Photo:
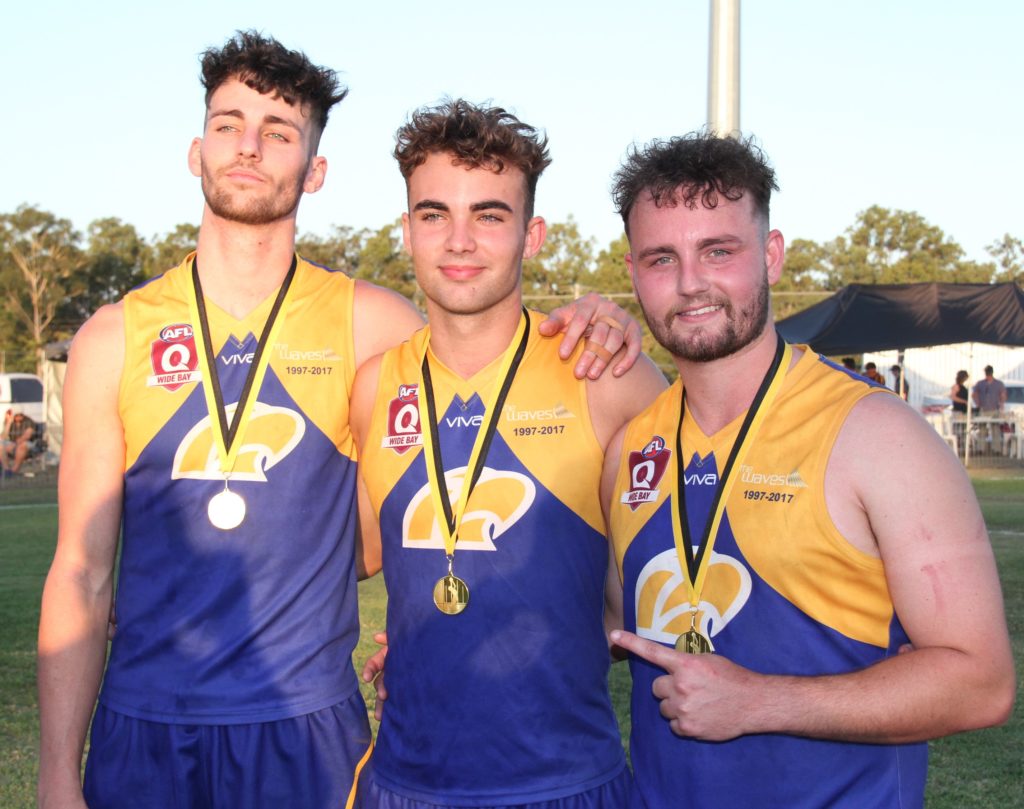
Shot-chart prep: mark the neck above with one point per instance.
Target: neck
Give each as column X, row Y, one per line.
column 468, row 343
column 241, row 265
column 719, row 391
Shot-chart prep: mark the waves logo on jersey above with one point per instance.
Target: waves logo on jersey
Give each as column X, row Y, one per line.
column 404, row 420
column 500, row 498
column 272, row 433
column 663, row 604
column 174, row 358
column 646, row 469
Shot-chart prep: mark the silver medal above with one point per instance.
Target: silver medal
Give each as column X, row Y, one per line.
column 226, row 510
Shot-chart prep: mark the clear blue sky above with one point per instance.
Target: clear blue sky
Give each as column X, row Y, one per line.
column 913, row 104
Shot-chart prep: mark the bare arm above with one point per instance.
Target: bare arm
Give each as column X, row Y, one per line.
column 381, row 320
column 364, row 392
column 916, row 507
column 79, row 586
column 613, row 613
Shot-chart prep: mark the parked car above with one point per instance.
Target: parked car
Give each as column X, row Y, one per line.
column 22, row 393
column 1014, row 394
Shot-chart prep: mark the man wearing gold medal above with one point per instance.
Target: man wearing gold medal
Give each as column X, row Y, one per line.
column 770, row 571
column 481, row 456
column 209, row 410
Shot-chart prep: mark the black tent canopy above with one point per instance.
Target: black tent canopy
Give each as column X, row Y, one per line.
column 879, row 317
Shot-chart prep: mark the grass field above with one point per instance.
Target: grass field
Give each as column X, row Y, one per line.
column 983, row 769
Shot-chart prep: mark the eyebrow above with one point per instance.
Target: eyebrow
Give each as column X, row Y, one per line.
column 485, row 205
column 660, row 250
column 703, row 244
column 267, row 119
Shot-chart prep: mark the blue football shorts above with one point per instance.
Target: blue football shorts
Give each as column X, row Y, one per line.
column 613, row 794
column 309, row 761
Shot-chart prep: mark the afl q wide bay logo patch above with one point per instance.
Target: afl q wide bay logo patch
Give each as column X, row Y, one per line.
column 646, row 469
column 173, row 358
column 404, row 420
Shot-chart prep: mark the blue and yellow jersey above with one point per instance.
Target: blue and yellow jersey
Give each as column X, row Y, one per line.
column 257, row 623
column 785, row 593
column 507, row 702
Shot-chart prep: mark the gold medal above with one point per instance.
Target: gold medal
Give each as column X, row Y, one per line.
column 693, row 642
column 226, row 509
column 451, row 595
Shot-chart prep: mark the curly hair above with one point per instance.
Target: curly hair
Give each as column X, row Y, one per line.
column 475, row 136
column 265, row 65
column 697, row 165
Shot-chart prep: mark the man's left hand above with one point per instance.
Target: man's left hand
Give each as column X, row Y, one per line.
column 704, row 696
column 607, row 329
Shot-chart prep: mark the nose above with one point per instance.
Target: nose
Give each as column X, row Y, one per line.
column 690, row 278
column 249, row 143
column 460, row 236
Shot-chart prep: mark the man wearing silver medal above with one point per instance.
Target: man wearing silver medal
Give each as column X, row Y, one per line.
column 744, row 513
column 481, row 456
column 209, row 412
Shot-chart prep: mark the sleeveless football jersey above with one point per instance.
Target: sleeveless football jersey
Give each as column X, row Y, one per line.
column 256, row 623
column 785, row 594
column 507, row 702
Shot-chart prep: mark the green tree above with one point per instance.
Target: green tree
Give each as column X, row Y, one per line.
column 383, row 261
column 340, row 250
column 896, row 247
column 1009, row 255
column 40, row 264
column 564, row 260
column 114, row 262
column 610, row 275
column 169, row 250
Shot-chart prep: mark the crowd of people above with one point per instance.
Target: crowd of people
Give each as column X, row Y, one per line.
column 539, row 505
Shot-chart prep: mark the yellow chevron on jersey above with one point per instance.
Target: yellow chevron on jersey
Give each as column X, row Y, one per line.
column 532, row 414
column 272, row 433
column 663, row 603
column 161, row 367
column 499, row 500
column 777, row 512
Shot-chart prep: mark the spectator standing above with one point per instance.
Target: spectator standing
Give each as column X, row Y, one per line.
column 958, row 396
column 871, row 372
column 989, row 396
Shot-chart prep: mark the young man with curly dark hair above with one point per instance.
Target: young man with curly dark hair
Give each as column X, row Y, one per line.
column 208, row 414
column 770, row 572
column 481, row 455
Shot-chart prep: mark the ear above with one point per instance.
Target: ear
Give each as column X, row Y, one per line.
column 195, row 160
column 629, row 266
column 406, row 236
column 536, row 233
column 774, row 256
column 315, row 175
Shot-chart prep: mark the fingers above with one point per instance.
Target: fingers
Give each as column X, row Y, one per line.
column 598, row 350
column 633, row 337
column 647, row 649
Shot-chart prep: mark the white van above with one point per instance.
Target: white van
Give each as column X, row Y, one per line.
column 22, row 393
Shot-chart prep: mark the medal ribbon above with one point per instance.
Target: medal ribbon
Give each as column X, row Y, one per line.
column 431, row 438
column 224, row 435
column 695, row 568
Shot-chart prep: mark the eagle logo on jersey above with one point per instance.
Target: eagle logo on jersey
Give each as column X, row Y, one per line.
column 174, row 358
column 646, row 469
column 500, row 498
column 663, row 604
column 404, row 420
column 272, row 433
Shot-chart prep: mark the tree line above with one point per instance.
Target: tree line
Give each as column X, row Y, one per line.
column 52, row 276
